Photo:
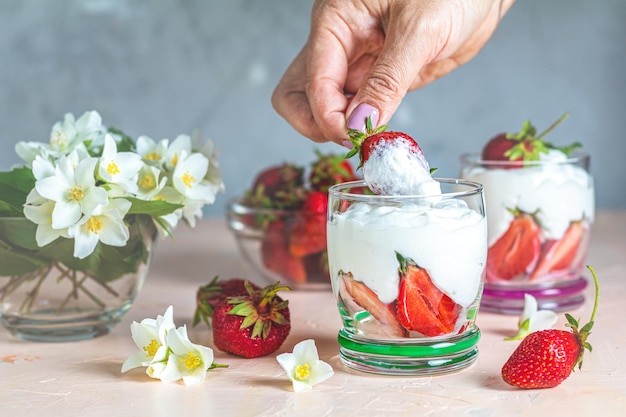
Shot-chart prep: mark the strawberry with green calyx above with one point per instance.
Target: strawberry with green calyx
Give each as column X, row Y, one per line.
column 523, row 146
column 546, row 358
column 209, row 295
column 517, row 250
column 392, row 162
column 252, row 325
column 328, row 170
column 277, row 187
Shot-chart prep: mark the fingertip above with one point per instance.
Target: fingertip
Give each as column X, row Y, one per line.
column 358, row 118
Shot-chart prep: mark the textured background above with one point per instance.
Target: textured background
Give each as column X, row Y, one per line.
column 167, row 67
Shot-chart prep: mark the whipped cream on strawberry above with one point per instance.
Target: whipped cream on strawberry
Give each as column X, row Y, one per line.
column 558, row 192
column 395, row 168
column 364, row 240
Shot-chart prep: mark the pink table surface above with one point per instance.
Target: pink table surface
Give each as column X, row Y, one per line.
column 83, row 378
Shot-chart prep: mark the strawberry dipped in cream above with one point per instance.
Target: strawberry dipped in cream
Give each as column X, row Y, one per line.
column 392, row 162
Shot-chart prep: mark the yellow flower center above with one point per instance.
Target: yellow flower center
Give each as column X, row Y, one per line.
column 147, row 182
column 94, row 225
column 152, row 156
column 75, row 194
column 151, row 348
column 188, row 179
column 192, row 361
column 174, row 160
column 59, row 139
column 112, row 168
column 302, row 372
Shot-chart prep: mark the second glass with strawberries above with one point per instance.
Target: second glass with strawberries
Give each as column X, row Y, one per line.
column 540, row 208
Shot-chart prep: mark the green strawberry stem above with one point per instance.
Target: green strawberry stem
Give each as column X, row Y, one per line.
column 584, row 332
column 358, row 136
column 552, row 126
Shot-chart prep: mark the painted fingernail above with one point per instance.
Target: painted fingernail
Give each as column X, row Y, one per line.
column 359, row 116
column 347, row 144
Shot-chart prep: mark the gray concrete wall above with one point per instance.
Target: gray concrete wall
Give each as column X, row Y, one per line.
column 166, row 67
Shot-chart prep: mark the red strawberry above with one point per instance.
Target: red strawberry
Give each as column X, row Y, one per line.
column 517, row 250
column 522, row 146
column 278, row 187
column 308, row 233
column 252, row 325
column 329, row 170
column 275, row 253
column 393, row 163
column 558, row 255
column 422, row 306
column 209, row 295
column 546, row 358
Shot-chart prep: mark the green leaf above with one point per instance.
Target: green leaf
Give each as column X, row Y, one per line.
column 571, row 320
column 18, row 232
column 154, row 208
column 14, row 187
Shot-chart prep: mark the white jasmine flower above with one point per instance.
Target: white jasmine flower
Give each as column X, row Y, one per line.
column 303, row 366
column 73, row 190
column 188, row 177
column 181, row 144
column 151, row 152
column 207, row 148
column 42, row 168
column 119, row 168
column 186, row 360
column 105, row 225
column 39, row 211
column 150, row 337
column 149, row 183
column 69, row 133
column 532, row 319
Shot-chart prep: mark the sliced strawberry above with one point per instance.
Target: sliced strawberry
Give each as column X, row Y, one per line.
column 558, row 255
column 423, row 307
column 308, row 233
column 275, row 253
column 362, row 295
column 516, row 251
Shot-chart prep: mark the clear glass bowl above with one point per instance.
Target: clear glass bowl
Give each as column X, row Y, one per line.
column 263, row 237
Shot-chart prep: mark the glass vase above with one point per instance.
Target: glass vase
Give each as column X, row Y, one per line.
column 48, row 295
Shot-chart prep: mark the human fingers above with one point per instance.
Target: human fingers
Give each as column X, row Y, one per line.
column 290, row 101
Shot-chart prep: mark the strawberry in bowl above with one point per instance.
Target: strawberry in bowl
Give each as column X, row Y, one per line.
column 540, row 208
column 280, row 221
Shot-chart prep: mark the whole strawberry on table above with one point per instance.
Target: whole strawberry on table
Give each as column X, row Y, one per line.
column 246, row 320
column 287, row 207
column 546, row 358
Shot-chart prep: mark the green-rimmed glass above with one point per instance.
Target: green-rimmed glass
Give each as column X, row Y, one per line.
column 407, row 273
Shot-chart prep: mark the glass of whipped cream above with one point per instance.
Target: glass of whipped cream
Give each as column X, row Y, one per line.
column 407, row 273
column 539, row 216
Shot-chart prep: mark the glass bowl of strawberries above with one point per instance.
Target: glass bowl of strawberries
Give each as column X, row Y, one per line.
column 280, row 221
